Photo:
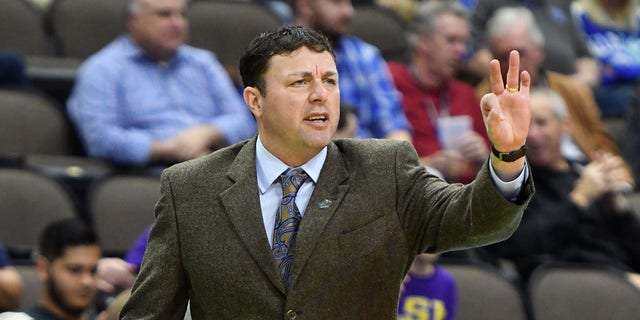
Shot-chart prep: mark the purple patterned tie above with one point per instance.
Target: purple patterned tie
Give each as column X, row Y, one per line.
column 287, row 222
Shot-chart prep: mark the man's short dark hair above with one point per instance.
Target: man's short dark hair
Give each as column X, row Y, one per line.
column 255, row 60
column 65, row 233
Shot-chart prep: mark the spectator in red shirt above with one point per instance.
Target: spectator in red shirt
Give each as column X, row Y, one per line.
column 448, row 130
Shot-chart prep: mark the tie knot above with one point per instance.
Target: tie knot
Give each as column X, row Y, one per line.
column 292, row 179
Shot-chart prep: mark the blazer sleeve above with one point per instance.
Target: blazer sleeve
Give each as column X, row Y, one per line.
column 438, row 216
column 160, row 292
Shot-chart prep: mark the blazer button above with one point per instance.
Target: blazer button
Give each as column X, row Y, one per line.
column 291, row 314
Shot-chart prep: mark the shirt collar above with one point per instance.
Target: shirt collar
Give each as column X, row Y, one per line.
column 134, row 51
column 269, row 167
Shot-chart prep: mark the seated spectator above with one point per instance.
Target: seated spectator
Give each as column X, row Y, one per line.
column 612, row 31
column 365, row 82
column 428, row 291
column 565, row 49
column 515, row 28
column 434, row 101
column 67, row 263
column 147, row 98
column 578, row 213
column 11, row 285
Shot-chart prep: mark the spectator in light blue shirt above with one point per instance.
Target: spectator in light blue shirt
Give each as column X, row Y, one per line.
column 148, row 98
column 365, row 81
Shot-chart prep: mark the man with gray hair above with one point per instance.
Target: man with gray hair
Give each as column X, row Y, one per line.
column 515, row 28
column 147, row 98
column 579, row 213
column 433, row 98
column 567, row 52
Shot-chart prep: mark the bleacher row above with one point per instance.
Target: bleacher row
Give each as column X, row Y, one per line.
column 44, row 174
column 56, row 41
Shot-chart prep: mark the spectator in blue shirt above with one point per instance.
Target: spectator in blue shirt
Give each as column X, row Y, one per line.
column 365, row 81
column 148, row 98
column 612, row 33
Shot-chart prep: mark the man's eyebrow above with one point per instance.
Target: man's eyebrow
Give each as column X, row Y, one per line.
column 308, row 73
column 299, row 73
column 330, row 73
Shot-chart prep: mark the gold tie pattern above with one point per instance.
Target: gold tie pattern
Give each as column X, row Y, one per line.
column 287, row 222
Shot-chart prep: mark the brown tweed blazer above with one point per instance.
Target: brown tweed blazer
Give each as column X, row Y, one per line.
column 208, row 243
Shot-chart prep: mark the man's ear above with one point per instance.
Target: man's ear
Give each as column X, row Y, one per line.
column 42, row 268
column 253, row 99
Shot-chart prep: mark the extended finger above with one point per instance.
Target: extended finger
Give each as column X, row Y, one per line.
column 513, row 72
column 495, row 77
column 525, row 82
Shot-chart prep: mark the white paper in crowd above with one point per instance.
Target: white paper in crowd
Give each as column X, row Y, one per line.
column 451, row 129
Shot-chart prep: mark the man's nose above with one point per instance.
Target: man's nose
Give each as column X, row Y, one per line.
column 318, row 91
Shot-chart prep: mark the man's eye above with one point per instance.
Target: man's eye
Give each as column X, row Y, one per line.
column 331, row 81
column 74, row 270
column 163, row 14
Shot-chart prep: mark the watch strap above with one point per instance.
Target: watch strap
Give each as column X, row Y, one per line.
column 509, row 156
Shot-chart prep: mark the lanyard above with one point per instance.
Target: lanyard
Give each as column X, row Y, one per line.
column 428, row 103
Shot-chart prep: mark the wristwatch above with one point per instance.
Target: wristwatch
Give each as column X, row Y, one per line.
column 509, row 156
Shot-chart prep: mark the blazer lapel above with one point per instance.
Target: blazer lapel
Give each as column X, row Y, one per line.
column 245, row 214
column 330, row 189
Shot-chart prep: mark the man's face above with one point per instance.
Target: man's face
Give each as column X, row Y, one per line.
column 331, row 17
column 299, row 111
column 160, row 27
column 71, row 279
column 545, row 133
column 517, row 38
column 445, row 48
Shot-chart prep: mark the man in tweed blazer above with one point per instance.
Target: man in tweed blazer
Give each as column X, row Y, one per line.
column 368, row 207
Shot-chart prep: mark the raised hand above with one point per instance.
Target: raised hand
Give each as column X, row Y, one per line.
column 506, row 109
column 602, row 176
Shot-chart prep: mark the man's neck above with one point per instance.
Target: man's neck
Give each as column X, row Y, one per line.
column 57, row 311
column 426, row 78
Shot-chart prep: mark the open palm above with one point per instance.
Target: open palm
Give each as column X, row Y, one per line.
column 506, row 110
